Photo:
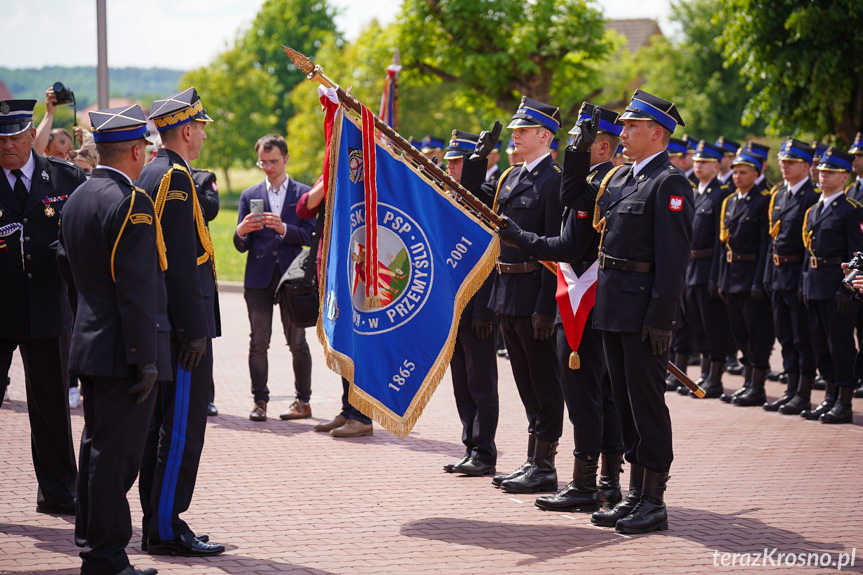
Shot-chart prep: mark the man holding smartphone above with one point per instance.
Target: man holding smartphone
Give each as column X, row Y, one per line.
column 269, row 229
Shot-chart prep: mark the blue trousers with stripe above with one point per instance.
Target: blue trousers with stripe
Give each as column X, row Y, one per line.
column 174, row 445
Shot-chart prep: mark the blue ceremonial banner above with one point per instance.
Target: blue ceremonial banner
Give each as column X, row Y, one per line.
column 432, row 256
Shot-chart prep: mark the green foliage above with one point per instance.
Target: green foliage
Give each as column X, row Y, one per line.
column 690, row 69
column 300, row 24
column 240, row 99
column 143, row 84
column 230, row 264
column 801, row 60
column 504, row 49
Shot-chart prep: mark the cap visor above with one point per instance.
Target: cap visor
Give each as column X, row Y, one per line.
column 523, row 123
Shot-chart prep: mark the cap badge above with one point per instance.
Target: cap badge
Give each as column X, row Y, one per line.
column 4, row 107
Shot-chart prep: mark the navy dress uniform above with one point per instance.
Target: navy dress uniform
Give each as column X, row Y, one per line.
column 113, row 261
column 171, row 465
column 782, row 275
column 587, row 387
column 833, row 231
column 761, row 152
column 33, row 302
column 744, row 235
column 474, row 362
column 729, row 149
column 523, row 296
column 706, row 312
column 855, row 188
column 644, row 215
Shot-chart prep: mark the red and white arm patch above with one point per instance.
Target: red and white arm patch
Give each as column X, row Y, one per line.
column 675, row 203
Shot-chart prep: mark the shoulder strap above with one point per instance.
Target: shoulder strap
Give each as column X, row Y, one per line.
column 500, row 182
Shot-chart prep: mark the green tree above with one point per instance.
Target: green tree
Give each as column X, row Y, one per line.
column 300, row 24
column 800, row 60
column 690, row 69
column 503, row 49
column 240, row 98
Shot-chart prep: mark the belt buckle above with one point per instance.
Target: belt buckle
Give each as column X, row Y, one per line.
column 813, row 262
column 497, row 265
column 729, row 257
column 601, row 260
column 776, row 260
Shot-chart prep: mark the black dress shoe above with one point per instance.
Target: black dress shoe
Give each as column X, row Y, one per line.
column 212, row 410
column 65, row 508
column 130, row 570
column 185, row 546
column 450, row 466
column 474, row 468
column 145, row 543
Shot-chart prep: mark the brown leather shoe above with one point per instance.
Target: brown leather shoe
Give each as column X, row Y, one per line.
column 337, row 421
column 298, row 410
column 260, row 411
column 353, row 428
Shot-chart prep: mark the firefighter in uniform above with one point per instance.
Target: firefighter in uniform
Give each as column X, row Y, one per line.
column 171, row 465
column 584, row 377
column 112, row 257
column 523, row 294
column 644, row 216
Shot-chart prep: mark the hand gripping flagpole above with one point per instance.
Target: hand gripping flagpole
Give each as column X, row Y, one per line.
column 315, row 72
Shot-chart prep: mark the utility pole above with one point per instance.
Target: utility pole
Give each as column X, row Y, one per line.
column 102, row 41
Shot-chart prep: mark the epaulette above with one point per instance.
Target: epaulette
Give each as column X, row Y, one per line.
column 202, row 170
column 853, row 202
column 724, row 187
column 849, row 186
column 817, row 190
column 766, row 193
column 61, row 161
column 557, row 168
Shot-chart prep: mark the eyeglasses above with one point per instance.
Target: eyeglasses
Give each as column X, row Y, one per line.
column 71, row 155
column 266, row 163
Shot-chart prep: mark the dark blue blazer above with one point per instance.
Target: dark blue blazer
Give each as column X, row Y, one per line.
column 835, row 234
column 705, row 234
column 789, row 210
column 746, row 222
column 268, row 250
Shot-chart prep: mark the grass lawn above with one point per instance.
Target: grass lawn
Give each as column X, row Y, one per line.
column 230, row 264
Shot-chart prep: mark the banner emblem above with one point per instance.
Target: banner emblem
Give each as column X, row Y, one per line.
column 355, row 158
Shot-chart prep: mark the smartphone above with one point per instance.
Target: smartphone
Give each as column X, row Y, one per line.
column 256, row 206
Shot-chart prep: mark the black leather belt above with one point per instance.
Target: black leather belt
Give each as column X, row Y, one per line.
column 731, row 257
column 816, row 263
column 517, row 268
column 779, row 260
column 701, row 254
column 607, row 262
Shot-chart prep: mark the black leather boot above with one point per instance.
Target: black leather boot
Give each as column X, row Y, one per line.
column 682, row 362
column 531, row 449
column 540, row 476
column 755, row 394
column 609, row 481
column 671, row 383
column 610, row 517
column 859, row 391
column 841, row 412
column 650, row 513
column 802, row 400
column 825, row 406
column 747, row 381
column 705, row 371
column 580, row 495
column 712, row 386
column 819, row 383
column 790, row 392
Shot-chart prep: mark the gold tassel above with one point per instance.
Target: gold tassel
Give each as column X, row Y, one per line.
column 372, row 302
column 774, row 228
column 724, row 234
column 574, row 361
column 807, row 237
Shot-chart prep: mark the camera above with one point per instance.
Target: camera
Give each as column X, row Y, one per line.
column 64, row 94
column 855, row 268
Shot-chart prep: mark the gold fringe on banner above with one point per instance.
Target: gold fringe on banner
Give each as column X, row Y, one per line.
column 344, row 366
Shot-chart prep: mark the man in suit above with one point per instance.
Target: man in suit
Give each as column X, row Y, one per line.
column 645, row 221
column 208, row 197
column 474, row 362
column 788, row 204
column 273, row 238
column 704, row 309
column 176, row 437
column 833, row 231
column 33, row 302
column 743, row 232
column 523, row 294
column 586, row 383
column 109, row 253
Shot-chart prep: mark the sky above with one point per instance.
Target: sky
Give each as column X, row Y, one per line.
column 155, row 33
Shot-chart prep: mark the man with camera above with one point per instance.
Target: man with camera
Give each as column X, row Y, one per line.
column 269, row 229
column 35, row 311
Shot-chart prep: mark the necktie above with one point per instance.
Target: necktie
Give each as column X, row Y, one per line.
column 20, row 189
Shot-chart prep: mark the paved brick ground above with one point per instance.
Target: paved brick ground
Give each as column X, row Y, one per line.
column 288, row 500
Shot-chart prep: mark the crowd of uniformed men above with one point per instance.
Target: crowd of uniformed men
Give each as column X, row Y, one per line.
column 689, row 248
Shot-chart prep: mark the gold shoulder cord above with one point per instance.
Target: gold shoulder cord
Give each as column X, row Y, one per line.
column 203, row 232
column 807, row 234
column 599, row 224
column 499, row 185
column 120, row 234
column 160, row 239
column 774, row 228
